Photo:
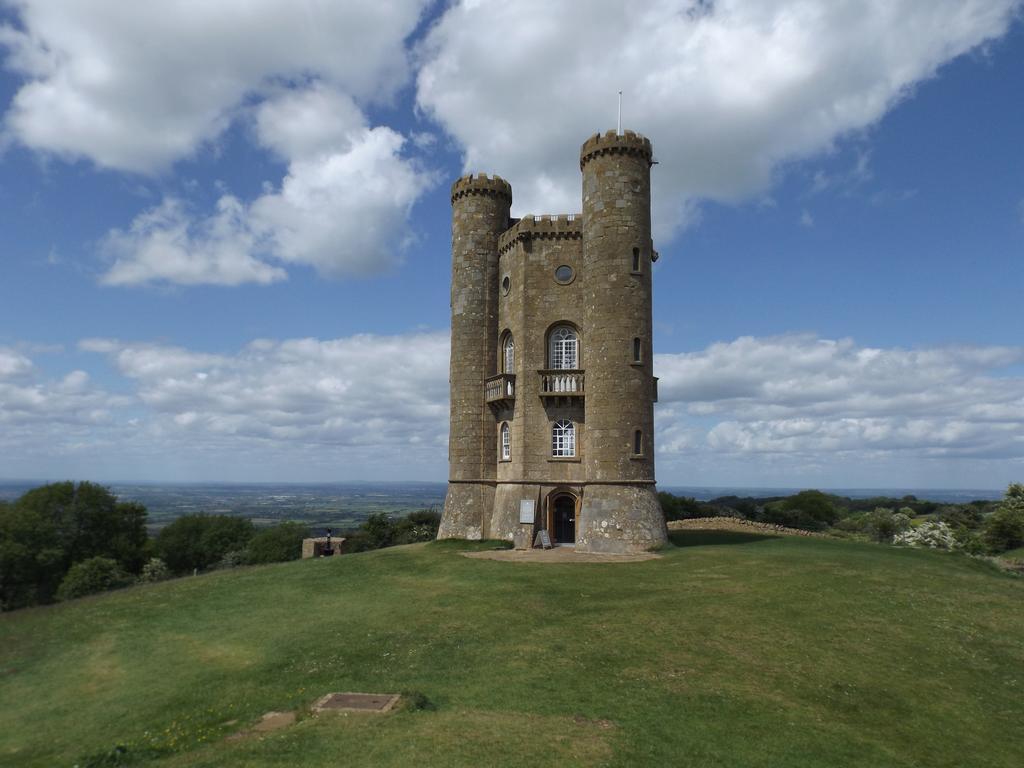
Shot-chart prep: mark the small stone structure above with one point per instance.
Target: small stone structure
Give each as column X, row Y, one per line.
column 552, row 386
column 378, row 703
column 315, row 547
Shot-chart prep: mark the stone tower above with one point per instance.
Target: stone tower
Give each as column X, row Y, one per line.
column 552, row 389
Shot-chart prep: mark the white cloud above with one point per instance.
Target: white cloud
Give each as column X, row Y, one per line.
column 799, row 394
column 780, row 410
column 308, row 123
column 13, row 364
column 342, row 208
column 166, row 244
column 344, row 212
column 136, row 86
column 372, row 392
column 727, row 90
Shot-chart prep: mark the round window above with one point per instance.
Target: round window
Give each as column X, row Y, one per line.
column 564, row 274
column 506, row 284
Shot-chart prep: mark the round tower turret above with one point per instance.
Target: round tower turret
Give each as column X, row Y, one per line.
column 620, row 508
column 480, row 213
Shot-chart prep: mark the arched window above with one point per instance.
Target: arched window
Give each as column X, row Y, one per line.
column 563, row 348
column 506, row 442
column 508, row 351
column 636, row 259
column 638, row 443
column 563, row 439
column 637, row 350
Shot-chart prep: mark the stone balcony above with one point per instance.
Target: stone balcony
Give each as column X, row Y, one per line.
column 500, row 389
column 561, row 383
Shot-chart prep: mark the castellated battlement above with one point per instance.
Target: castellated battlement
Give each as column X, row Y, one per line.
column 612, row 143
column 481, row 184
column 562, row 226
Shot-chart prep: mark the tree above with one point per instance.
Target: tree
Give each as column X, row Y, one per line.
column 200, row 541
column 88, row 521
column 31, row 560
column 1004, row 528
column 97, row 574
column 811, row 510
column 276, row 544
column 680, row 507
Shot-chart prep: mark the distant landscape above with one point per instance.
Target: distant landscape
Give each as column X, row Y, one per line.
column 345, row 505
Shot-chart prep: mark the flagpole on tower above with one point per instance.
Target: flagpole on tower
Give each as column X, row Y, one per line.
column 618, row 127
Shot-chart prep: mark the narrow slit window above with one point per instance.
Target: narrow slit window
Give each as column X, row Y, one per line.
column 563, row 439
column 506, row 442
column 636, row 350
column 638, row 443
column 636, row 259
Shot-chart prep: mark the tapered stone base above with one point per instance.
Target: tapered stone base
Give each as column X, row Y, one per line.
column 620, row 519
column 466, row 507
column 508, row 498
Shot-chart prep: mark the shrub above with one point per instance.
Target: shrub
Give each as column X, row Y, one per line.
column 934, row 535
column 97, row 574
column 1004, row 528
column 277, row 544
column 884, row 524
column 417, row 526
column 154, row 570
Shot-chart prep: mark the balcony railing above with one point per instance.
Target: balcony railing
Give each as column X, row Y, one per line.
column 561, row 383
column 500, row 388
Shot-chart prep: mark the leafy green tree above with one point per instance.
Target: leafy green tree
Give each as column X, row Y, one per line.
column 1004, row 528
column 810, row 510
column 379, row 530
column 197, row 542
column 31, row 559
column 276, row 544
column 97, row 574
column 88, row 521
column 680, row 507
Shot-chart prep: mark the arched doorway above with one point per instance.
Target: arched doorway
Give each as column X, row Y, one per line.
column 563, row 519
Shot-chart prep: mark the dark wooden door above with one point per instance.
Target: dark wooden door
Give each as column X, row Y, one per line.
column 565, row 520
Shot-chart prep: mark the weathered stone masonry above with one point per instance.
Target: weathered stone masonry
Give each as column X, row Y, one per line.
column 504, row 286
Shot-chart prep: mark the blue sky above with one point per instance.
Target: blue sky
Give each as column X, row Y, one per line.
column 224, row 232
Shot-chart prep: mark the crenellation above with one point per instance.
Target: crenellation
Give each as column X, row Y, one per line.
column 563, row 225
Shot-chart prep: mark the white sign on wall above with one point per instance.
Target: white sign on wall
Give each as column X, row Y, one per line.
column 526, row 511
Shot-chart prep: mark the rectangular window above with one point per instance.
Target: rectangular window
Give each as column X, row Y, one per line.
column 506, row 443
column 563, row 439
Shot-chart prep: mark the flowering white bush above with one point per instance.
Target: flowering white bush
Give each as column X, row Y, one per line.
column 930, row 534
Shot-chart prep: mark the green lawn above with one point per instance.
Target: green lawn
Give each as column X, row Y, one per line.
column 732, row 650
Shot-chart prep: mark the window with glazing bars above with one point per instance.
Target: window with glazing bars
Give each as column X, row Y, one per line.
column 563, row 348
column 506, row 442
column 563, row 439
column 510, row 354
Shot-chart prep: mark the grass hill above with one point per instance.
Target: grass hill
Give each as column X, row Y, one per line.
column 731, row 650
